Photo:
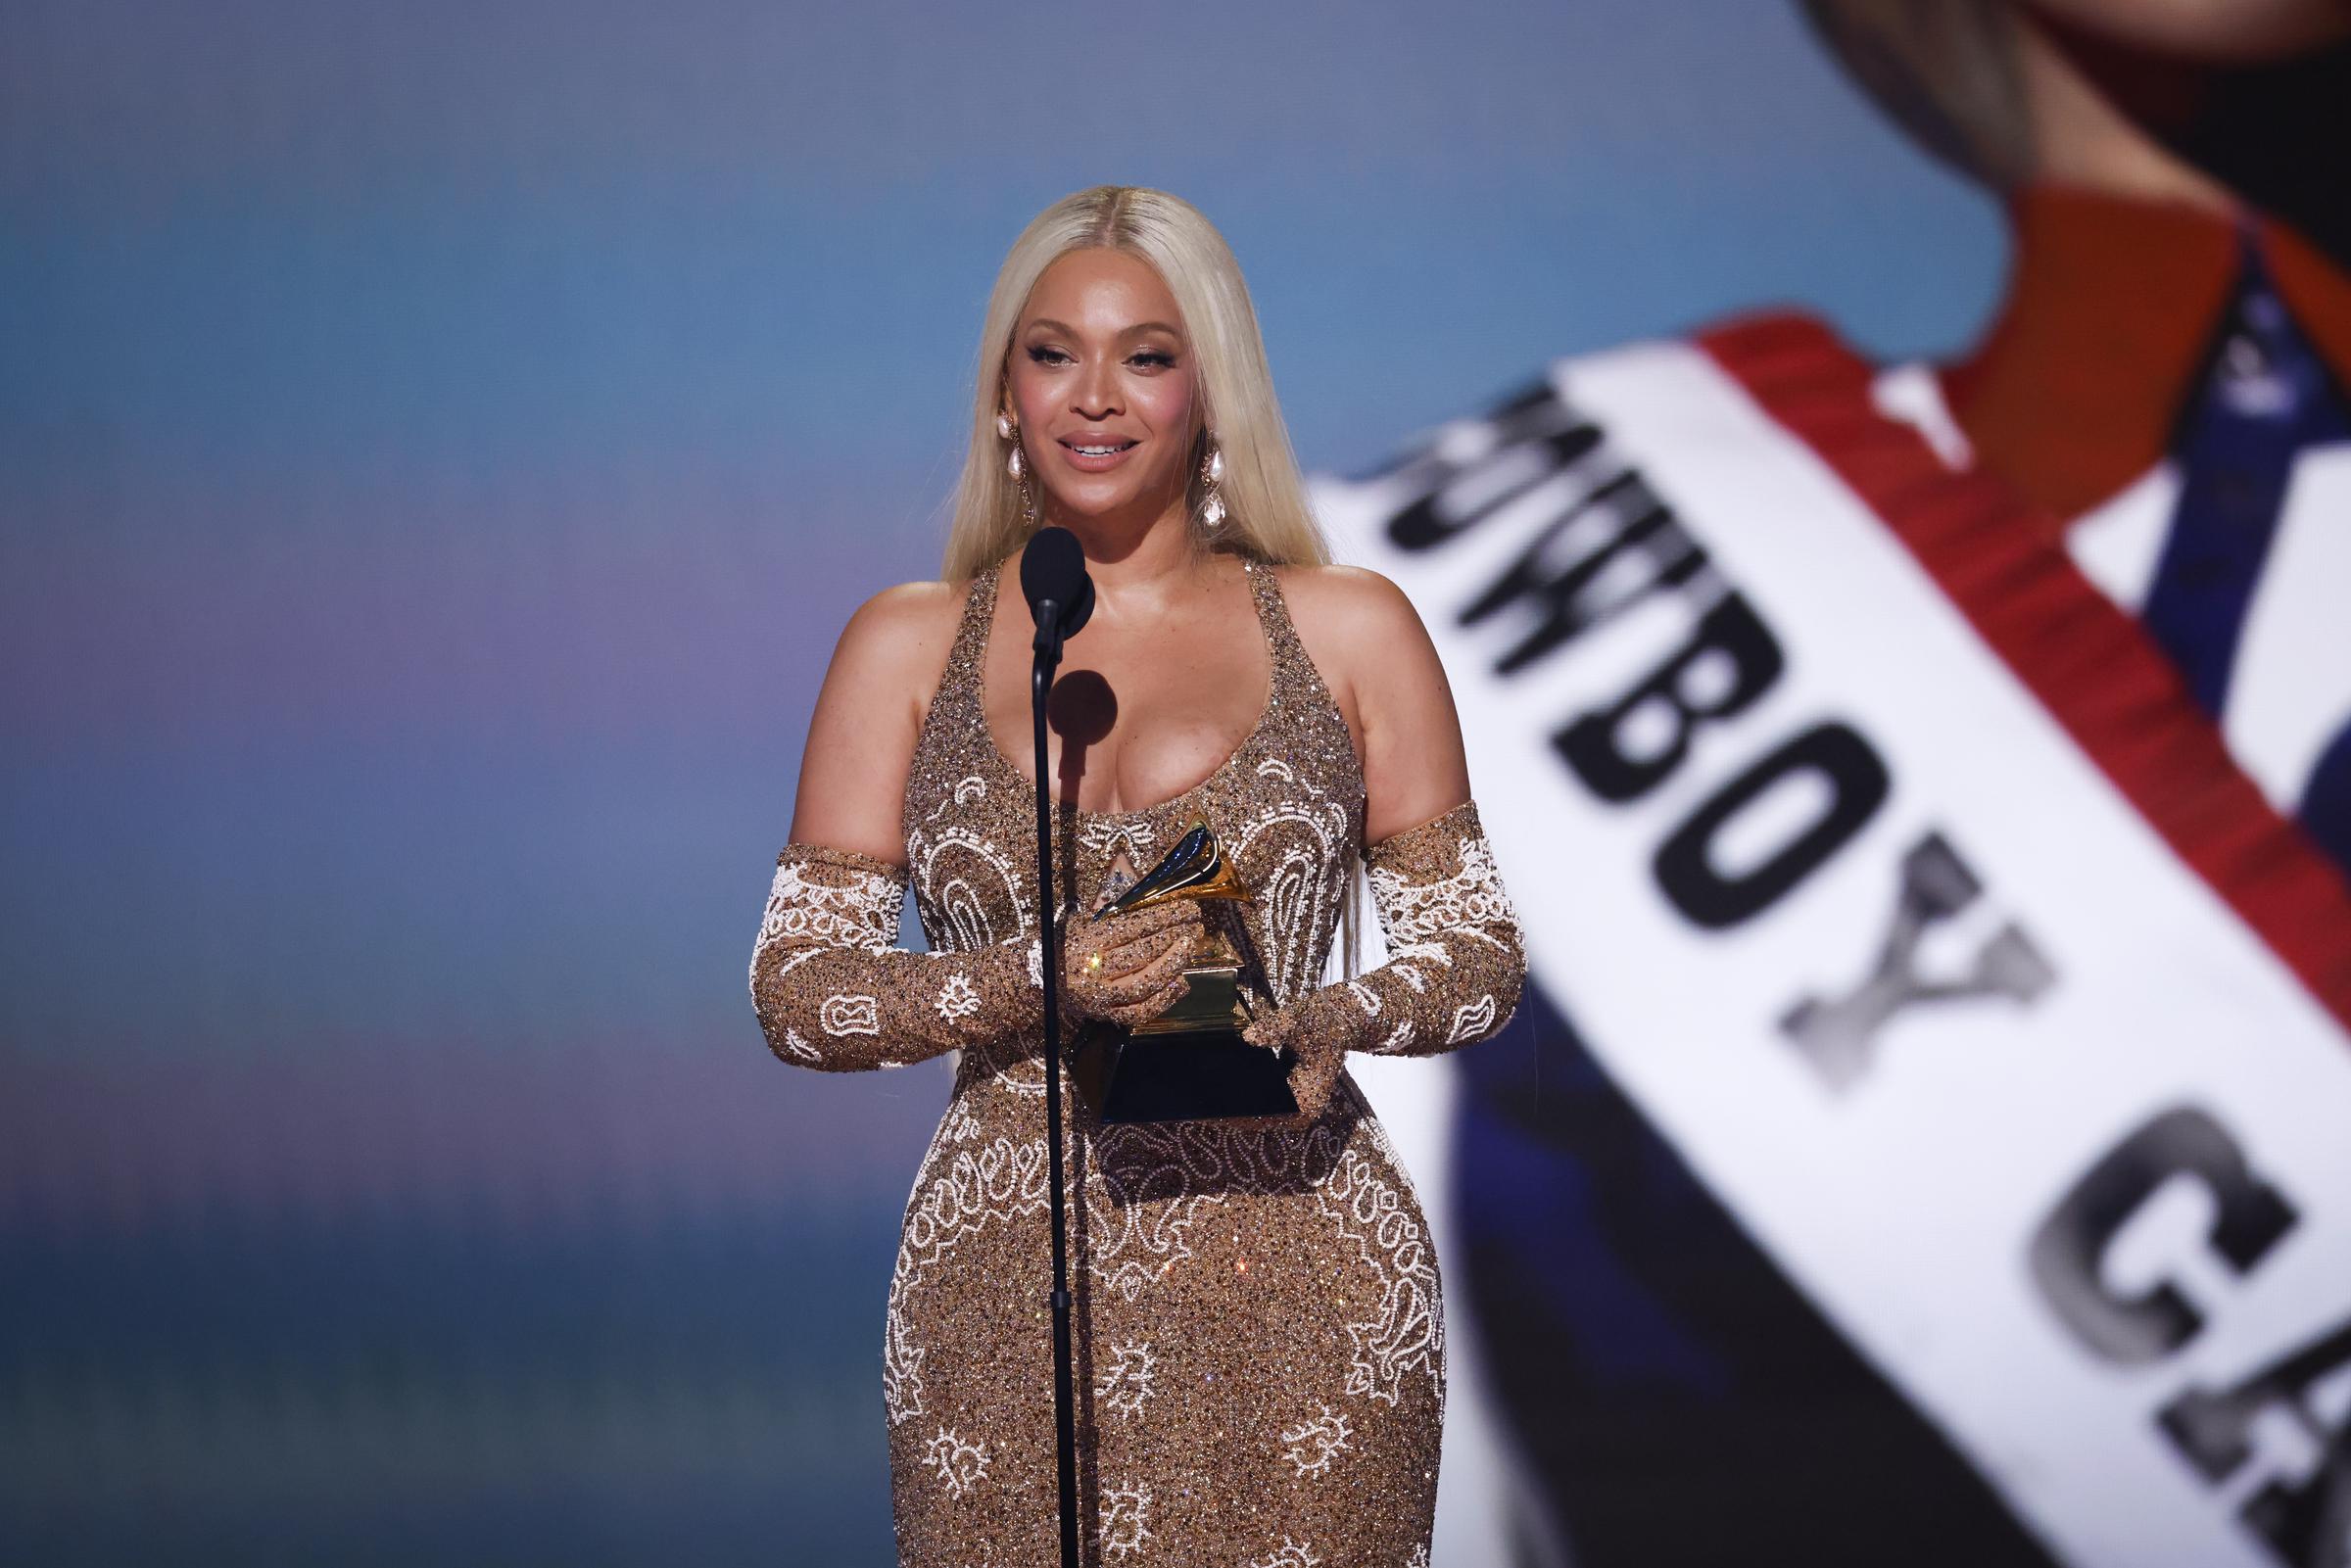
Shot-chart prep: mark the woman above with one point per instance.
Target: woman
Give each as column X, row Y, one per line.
column 1259, row 1357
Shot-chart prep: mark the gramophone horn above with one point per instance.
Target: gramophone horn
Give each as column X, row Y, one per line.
column 1196, row 868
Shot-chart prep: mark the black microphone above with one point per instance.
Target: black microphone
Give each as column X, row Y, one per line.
column 1061, row 595
column 1054, row 581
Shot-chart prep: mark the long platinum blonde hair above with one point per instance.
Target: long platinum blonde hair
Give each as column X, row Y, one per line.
column 1266, row 516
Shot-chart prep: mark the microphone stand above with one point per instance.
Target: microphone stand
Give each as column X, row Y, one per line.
column 1065, row 1403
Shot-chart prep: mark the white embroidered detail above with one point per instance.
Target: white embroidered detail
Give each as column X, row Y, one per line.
column 1300, row 855
column 796, row 957
column 850, row 1014
column 1025, row 1078
column 1413, row 912
column 1128, row 1383
column 1036, row 962
column 1419, row 1556
column 994, row 1183
column 1365, row 997
column 1398, row 1039
column 960, row 1464
column 794, row 1043
column 862, row 913
column 1293, row 1555
column 901, row 1360
column 978, row 1188
column 958, row 998
column 1107, row 839
column 1472, row 1020
column 1410, row 977
column 1125, row 1510
column 1312, row 1443
column 959, row 878
column 958, row 1125
column 1408, row 1332
column 1154, row 1179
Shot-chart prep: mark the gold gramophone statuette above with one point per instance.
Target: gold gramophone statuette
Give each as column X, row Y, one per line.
column 1195, row 868
column 1189, row 1063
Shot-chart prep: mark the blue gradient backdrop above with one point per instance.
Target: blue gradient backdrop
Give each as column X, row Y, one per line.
column 439, row 444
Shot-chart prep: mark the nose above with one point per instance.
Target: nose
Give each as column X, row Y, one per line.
column 1096, row 393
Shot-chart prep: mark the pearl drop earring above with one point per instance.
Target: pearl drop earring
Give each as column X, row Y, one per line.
column 1212, row 474
column 1009, row 432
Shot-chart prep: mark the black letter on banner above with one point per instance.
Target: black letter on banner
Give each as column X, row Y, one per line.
column 1535, row 435
column 1857, row 783
column 2070, row 1245
column 1638, row 548
column 2307, row 1521
column 1730, row 631
column 1839, row 1036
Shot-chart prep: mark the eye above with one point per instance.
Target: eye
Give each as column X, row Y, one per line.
column 1045, row 353
column 1156, row 359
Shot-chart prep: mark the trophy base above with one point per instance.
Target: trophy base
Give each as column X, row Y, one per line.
column 1182, row 1074
column 1210, row 1004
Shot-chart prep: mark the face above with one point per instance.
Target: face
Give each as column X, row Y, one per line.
column 1100, row 379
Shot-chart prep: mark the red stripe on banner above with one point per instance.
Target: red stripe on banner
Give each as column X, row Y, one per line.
column 2090, row 662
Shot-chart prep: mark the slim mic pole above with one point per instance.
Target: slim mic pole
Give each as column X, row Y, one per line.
column 1065, row 1401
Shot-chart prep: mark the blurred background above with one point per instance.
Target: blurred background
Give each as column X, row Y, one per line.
column 438, row 446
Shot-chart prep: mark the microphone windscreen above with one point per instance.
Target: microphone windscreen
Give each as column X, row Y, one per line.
column 1053, row 567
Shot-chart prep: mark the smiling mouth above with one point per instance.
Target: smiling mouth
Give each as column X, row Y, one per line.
column 1099, row 449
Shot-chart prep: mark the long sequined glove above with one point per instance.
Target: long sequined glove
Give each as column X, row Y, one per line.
column 1455, row 961
column 835, row 991
column 1127, row 968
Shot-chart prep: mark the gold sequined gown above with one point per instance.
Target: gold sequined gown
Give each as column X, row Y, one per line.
column 1259, row 1337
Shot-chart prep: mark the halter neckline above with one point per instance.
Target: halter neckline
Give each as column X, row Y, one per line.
column 980, row 610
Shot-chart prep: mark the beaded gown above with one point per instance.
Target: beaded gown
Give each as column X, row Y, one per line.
column 1259, row 1335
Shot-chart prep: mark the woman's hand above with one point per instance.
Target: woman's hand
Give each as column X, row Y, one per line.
column 1128, row 968
column 1317, row 1042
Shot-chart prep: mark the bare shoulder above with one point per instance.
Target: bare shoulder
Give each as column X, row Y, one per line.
column 861, row 738
column 1356, row 622
column 1344, row 593
column 1384, row 671
column 899, row 624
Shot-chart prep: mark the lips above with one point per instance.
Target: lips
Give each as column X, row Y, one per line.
column 1095, row 454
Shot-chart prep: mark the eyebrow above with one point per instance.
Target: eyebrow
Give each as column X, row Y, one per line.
column 1140, row 326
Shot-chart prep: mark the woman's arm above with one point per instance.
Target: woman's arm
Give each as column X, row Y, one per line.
column 868, row 713
column 1384, row 674
column 829, row 981
column 1455, row 963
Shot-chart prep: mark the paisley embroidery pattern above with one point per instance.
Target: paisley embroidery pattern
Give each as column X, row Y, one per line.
column 1412, row 911
column 860, row 912
column 1407, row 1332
